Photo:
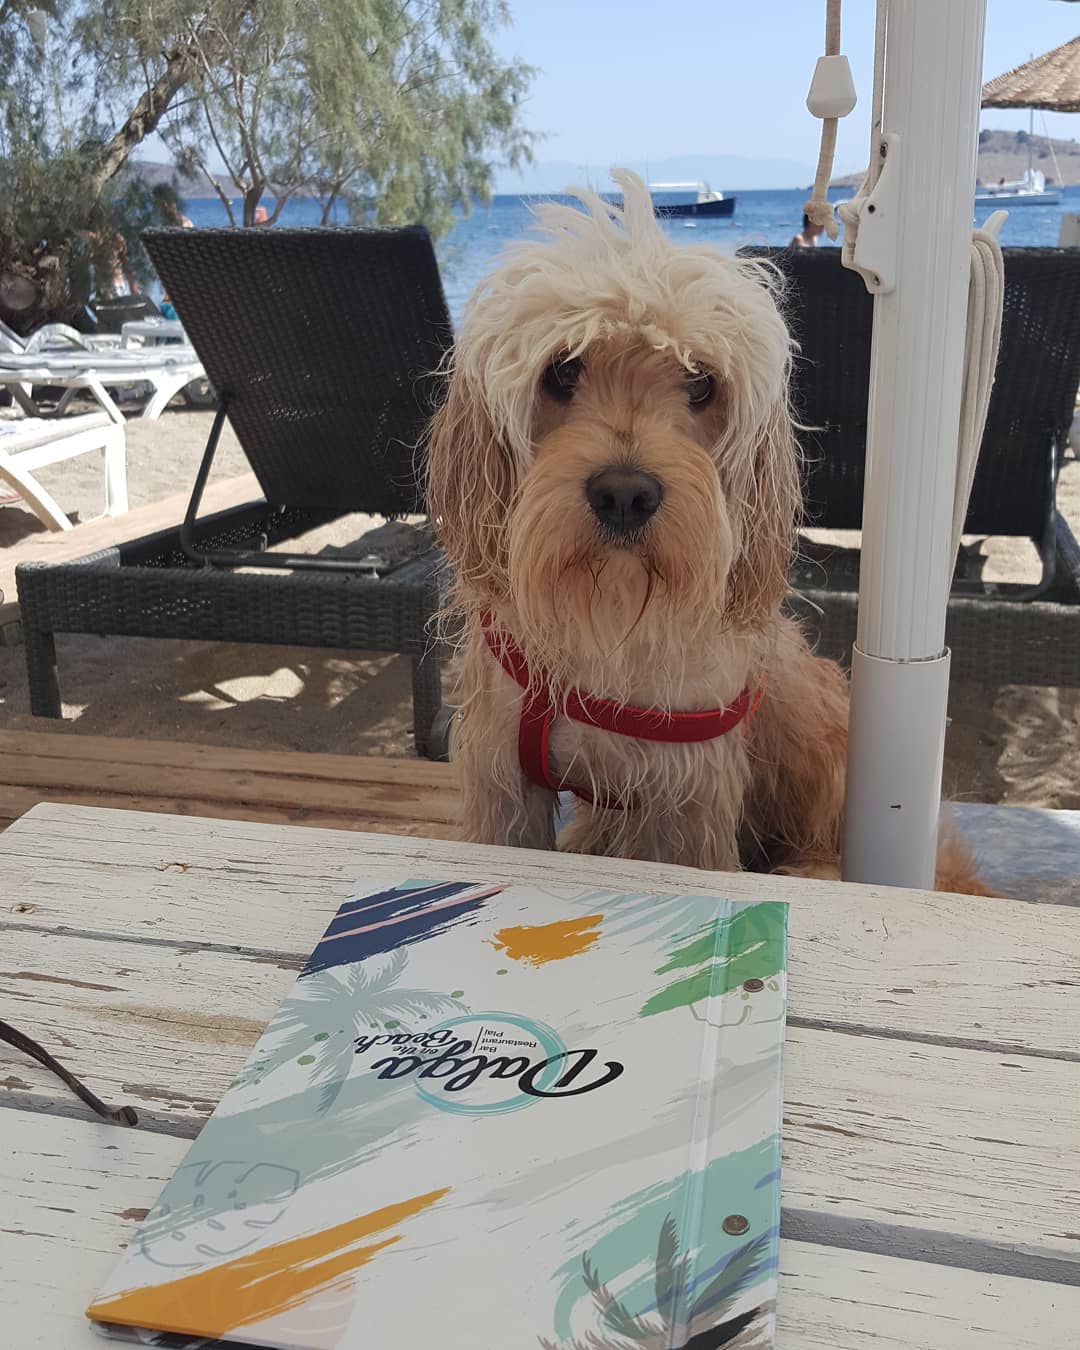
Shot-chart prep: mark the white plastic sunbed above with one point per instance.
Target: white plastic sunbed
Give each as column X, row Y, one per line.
column 54, row 337
column 30, row 443
column 166, row 370
column 58, row 356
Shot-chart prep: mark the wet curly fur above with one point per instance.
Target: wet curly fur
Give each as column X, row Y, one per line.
column 673, row 361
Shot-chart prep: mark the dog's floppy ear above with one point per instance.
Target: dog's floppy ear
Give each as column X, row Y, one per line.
column 772, row 499
column 470, row 484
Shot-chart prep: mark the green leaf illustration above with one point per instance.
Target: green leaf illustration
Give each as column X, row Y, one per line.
column 749, row 945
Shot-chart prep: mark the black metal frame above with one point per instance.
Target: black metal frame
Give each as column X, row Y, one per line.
column 257, row 557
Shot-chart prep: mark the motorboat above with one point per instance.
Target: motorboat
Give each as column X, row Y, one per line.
column 707, row 202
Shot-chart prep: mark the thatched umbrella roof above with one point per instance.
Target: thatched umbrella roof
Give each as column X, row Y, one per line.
column 1051, row 82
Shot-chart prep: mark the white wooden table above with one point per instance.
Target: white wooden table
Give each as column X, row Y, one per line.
column 932, row 1080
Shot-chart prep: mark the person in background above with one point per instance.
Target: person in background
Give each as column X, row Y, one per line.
column 260, row 215
column 808, row 236
column 172, row 213
column 122, row 281
column 173, row 216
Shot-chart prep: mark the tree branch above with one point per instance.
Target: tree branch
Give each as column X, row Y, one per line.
column 212, row 180
column 181, row 65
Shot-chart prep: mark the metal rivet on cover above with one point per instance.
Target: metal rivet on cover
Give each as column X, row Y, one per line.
column 752, row 986
column 736, row 1224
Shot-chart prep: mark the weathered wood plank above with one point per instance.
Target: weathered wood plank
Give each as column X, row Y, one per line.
column 74, row 1192
column 394, row 801
column 16, row 801
column 335, row 791
column 186, row 755
column 948, row 969
column 836, row 1300
column 905, row 1134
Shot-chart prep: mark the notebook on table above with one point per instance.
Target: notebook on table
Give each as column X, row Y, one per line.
column 524, row 1117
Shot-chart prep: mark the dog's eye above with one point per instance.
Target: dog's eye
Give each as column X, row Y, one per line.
column 700, row 389
column 561, row 378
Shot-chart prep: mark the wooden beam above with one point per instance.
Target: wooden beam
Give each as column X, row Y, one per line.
column 345, row 792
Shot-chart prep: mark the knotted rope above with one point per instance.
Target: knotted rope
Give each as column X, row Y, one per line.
column 986, row 286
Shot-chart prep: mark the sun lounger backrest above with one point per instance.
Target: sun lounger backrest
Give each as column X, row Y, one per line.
column 325, row 342
column 830, row 314
column 1034, row 396
column 10, row 341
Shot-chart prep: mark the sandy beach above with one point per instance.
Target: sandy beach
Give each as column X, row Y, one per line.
column 1010, row 744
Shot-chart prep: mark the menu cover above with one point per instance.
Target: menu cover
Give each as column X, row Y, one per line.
column 488, row 1117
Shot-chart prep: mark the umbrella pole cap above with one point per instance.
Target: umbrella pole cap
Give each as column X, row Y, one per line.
column 832, row 90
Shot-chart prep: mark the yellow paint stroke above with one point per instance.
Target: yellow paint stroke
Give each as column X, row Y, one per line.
column 259, row 1284
column 549, row 941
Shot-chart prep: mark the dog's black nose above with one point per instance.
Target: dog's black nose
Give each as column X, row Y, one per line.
column 623, row 499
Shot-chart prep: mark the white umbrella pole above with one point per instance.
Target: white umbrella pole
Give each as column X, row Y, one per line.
column 900, row 666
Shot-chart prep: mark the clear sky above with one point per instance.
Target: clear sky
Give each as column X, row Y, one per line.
column 634, row 80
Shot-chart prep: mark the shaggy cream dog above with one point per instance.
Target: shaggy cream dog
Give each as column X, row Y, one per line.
column 615, row 479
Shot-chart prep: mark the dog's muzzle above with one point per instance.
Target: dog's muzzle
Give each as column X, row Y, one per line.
column 623, row 500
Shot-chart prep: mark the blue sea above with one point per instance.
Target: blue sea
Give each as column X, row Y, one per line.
column 468, row 252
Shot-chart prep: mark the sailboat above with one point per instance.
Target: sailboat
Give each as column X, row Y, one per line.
column 1031, row 190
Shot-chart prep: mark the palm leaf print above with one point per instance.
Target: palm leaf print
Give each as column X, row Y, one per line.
column 614, row 1315
column 742, row 1269
column 671, row 1270
column 709, row 1323
column 316, row 1027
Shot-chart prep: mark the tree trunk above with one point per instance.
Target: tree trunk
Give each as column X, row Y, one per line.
column 181, row 66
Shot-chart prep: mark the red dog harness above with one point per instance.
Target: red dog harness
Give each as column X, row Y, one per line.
column 538, row 711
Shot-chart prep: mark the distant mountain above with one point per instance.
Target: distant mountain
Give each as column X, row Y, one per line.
column 154, row 172
column 1004, row 154
column 728, row 173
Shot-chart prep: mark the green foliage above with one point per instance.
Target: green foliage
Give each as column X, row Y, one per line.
column 396, row 108
column 59, row 228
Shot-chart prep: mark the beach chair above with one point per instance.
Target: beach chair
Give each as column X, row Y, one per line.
column 28, row 444
column 994, row 640
column 166, row 371
column 323, row 345
column 54, row 336
column 1027, row 427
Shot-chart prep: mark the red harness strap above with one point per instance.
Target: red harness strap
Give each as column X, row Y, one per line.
column 538, row 711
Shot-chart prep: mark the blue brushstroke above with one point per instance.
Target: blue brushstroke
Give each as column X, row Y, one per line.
column 421, row 922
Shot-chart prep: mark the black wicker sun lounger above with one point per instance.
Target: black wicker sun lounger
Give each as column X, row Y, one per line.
column 1006, row 633
column 831, row 316
column 322, row 345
